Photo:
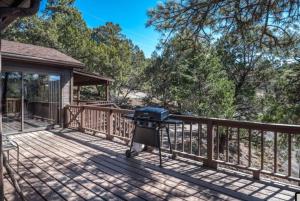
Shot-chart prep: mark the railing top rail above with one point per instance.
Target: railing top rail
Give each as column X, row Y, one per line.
column 285, row 128
column 282, row 128
column 95, row 107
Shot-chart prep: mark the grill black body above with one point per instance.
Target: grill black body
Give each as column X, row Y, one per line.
column 148, row 123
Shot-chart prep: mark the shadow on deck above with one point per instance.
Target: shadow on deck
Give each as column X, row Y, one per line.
column 69, row 165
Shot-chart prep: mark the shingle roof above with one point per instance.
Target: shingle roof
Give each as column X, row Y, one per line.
column 16, row 50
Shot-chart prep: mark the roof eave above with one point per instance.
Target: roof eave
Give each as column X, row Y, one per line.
column 23, row 58
column 94, row 75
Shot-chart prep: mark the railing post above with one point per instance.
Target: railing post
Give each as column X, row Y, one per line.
column 109, row 125
column 66, row 120
column 82, row 119
column 256, row 174
column 210, row 147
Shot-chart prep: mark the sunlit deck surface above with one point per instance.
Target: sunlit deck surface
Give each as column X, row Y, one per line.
column 69, row 165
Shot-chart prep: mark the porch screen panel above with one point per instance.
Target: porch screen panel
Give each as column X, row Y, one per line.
column 54, row 99
column 41, row 100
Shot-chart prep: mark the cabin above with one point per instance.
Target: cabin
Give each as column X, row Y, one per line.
column 37, row 83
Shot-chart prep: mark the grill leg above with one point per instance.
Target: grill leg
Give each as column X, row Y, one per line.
column 159, row 148
column 131, row 143
column 160, row 162
column 128, row 152
column 173, row 155
column 168, row 133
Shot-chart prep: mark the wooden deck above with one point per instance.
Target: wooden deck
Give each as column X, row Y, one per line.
column 69, row 165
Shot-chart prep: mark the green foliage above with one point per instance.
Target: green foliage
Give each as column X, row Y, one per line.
column 252, row 40
column 275, row 23
column 282, row 102
column 191, row 79
column 249, row 69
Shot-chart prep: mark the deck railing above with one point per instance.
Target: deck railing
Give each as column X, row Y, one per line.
column 106, row 120
column 90, row 102
column 13, row 105
column 261, row 148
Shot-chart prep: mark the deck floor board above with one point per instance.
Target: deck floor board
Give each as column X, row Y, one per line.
column 69, row 165
column 138, row 183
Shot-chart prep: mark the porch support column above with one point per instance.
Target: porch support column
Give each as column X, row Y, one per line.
column 78, row 95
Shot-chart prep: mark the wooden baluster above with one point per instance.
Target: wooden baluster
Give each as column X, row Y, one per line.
column 114, row 125
column 227, row 145
column 123, row 132
column 100, row 121
column 238, row 146
column 88, row 118
column 182, row 137
column 175, row 137
column 217, row 143
column 199, row 139
column 191, row 138
column 82, row 119
column 289, row 154
column 161, row 138
column 119, row 124
column 109, row 125
column 103, row 121
column 262, row 150
column 66, row 117
column 88, row 113
column 93, row 119
column 275, row 152
column 96, row 120
column 249, row 147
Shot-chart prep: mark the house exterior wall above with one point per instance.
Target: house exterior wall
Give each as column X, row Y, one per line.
column 65, row 77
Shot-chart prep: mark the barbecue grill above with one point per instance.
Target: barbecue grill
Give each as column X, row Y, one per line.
column 149, row 121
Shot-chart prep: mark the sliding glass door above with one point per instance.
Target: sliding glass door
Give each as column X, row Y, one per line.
column 11, row 92
column 36, row 101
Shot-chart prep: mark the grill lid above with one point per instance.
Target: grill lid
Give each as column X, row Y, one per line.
column 151, row 113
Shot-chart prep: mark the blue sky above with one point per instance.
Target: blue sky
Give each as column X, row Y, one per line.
column 130, row 15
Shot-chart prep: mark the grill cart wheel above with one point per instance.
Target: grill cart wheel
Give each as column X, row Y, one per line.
column 128, row 153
